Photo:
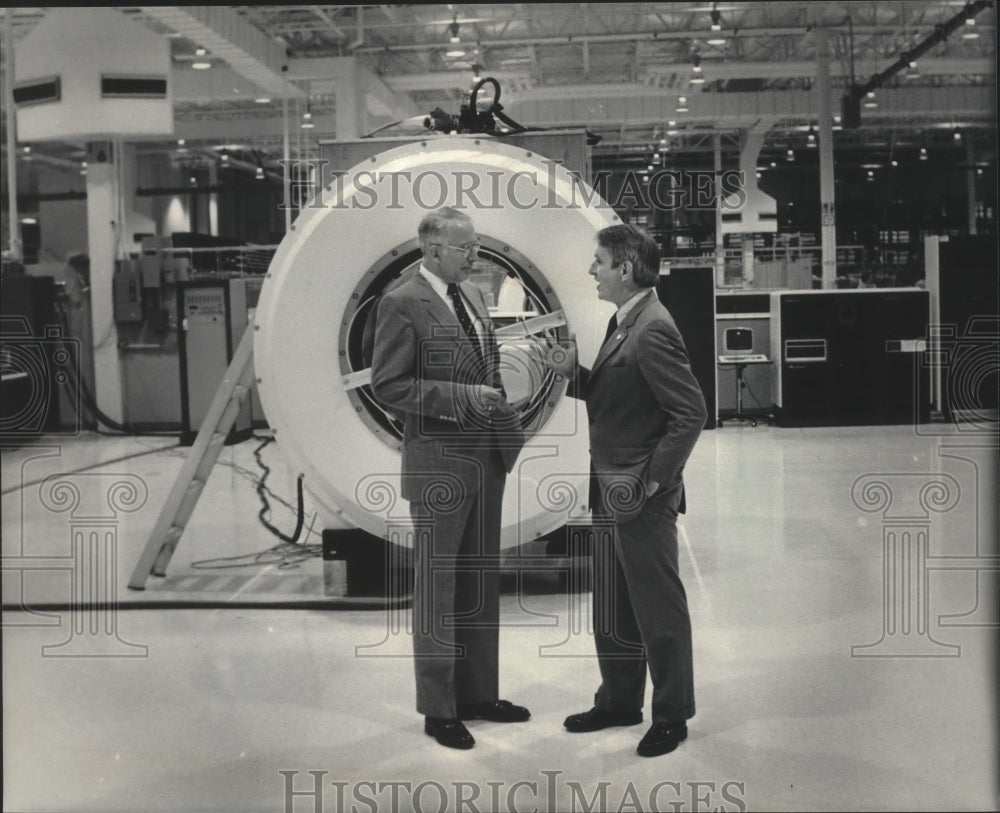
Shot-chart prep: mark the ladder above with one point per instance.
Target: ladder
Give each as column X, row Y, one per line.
column 187, row 488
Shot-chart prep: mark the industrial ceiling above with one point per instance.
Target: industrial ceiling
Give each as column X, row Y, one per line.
column 625, row 71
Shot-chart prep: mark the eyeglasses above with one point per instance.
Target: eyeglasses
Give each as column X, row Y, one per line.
column 465, row 249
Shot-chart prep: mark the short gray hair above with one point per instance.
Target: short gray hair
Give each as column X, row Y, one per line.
column 434, row 223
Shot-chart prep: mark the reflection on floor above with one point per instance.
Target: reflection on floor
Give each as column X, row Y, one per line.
column 843, row 590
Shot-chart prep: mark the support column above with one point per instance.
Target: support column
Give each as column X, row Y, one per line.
column 16, row 251
column 748, row 261
column 349, row 98
column 828, row 221
column 103, row 223
column 970, row 183
column 213, row 200
column 720, row 249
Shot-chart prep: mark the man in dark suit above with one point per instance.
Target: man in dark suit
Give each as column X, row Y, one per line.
column 435, row 362
column 645, row 410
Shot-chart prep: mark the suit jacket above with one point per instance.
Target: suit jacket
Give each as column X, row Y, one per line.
column 645, row 409
column 425, row 368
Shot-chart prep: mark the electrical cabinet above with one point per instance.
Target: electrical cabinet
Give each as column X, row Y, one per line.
column 850, row 357
column 689, row 295
column 212, row 319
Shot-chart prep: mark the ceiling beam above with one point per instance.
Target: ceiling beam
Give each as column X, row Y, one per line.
column 228, row 36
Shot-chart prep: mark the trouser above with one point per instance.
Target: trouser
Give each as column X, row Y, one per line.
column 641, row 615
column 456, row 597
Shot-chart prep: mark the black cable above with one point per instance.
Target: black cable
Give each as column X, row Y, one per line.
column 266, row 506
column 755, row 399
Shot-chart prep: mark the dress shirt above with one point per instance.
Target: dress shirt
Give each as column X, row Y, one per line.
column 441, row 288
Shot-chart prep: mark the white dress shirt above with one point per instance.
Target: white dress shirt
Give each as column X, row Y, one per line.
column 441, row 287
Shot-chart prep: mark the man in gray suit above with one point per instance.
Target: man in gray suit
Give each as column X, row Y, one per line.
column 435, row 362
column 645, row 410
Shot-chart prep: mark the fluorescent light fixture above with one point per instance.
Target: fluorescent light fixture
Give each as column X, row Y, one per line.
column 201, row 65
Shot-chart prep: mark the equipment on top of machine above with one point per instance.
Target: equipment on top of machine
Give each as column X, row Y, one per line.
column 475, row 118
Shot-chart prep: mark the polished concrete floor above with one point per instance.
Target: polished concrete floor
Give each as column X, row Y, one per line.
column 843, row 592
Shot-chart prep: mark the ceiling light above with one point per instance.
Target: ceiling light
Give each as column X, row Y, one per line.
column 262, row 100
column 957, row 135
column 697, row 80
column 682, row 109
column 789, row 154
column 672, row 132
column 656, row 157
column 894, row 162
column 224, row 156
column 201, row 65
column 200, row 52
column 260, row 173
column 811, row 137
column 923, row 153
column 773, row 165
column 455, row 49
column 307, row 114
column 308, row 125
column 716, row 19
column 645, row 179
column 26, row 149
column 29, row 221
column 871, row 175
column 192, row 180
column 716, row 41
column 970, row 32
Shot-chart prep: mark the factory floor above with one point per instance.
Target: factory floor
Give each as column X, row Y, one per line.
column 842, row 587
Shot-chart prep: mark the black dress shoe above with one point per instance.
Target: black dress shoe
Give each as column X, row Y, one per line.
column 499, row 711
column 449, row 732
column 596, row 719
column 662, row 738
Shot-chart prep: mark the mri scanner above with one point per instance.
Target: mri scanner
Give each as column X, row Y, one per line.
column 357, row 238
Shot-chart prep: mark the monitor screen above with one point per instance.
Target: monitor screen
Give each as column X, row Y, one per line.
column 739, row 339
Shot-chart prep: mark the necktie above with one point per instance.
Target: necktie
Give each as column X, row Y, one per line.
column 463, row 316
column 612, row 327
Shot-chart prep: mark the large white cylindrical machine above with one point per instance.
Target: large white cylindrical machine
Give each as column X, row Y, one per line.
column 315, row 317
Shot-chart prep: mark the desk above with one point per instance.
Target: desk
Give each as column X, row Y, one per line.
column 739, row 364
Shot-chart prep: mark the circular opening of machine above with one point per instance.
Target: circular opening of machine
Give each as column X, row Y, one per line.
column 514, row 291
